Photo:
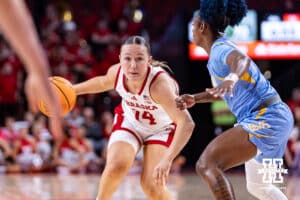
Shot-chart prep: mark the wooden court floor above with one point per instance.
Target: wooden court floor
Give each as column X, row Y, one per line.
column 84, row 187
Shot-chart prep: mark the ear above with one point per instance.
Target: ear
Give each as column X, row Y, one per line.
column 203, row 26
column 150, row 59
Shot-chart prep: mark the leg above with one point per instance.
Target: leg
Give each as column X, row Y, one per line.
column 229, row 149
column 255, row 186
column 120, row 156
column 152, row 155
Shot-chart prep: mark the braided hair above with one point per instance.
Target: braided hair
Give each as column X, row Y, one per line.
column 221, row 13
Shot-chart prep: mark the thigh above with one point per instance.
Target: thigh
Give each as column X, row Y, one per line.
column 152, row 155
column 122, row 148
column 229, row 149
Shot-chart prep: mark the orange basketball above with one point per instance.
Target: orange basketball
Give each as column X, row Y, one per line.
column 66, row 95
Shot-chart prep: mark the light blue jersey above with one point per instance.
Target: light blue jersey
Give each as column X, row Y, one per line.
column 251, row 89
column 269, row 127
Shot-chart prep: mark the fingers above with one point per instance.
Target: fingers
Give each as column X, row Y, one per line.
column 185, row 101
column 160, row 176
column 31, row 97
column 180, row 103
column 55, row 123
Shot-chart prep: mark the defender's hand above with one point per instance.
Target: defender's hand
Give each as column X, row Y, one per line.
column 185, row 101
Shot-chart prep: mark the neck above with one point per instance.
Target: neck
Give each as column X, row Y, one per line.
column 208, row 42
column 134, row 86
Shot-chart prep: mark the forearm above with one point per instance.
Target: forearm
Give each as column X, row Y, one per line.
column 181, row 137
column 91, row 86
column 205, row 97
column 16, row 23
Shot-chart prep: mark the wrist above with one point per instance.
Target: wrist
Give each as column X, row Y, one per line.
column 232, row 77
column 194, row 97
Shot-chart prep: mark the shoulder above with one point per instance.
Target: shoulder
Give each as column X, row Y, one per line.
column 221, row 50
column 113, row 72
column 161, row 78
column 163, row 84
column 114, row 69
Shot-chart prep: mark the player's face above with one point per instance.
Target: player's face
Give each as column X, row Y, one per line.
column 134, row 60
column 196, row 31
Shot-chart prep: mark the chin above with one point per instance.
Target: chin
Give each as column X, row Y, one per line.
column 134, row 78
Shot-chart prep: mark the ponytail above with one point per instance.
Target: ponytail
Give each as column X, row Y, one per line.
column 163, row 64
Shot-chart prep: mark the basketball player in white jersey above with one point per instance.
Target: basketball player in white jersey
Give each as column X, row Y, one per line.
column 147, row 116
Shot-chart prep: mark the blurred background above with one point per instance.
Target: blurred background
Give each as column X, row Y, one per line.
column 82, row 40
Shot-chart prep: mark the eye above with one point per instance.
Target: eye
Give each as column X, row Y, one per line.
column 127, row 58
column 139, row 58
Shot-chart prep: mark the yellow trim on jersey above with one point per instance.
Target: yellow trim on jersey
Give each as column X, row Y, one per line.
column 246, row 77
column 261, row 112
column 258, row 135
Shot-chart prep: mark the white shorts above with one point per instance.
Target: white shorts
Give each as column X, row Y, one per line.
column 125, row 131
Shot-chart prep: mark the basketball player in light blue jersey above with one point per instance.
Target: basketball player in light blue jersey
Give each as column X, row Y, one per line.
column 264, row 122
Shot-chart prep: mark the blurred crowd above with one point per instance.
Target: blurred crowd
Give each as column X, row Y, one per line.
column 27, row 145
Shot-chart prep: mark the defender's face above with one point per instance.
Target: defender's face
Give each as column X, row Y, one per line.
column 134, row 60
column 196, row 31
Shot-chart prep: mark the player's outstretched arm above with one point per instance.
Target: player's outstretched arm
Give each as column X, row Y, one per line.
column 189, row 100
column 98, row 84
column 17, row 26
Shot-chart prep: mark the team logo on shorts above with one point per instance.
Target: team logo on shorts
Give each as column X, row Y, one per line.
column 273, row 170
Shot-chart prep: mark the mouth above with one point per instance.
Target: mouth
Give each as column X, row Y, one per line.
column 133, row 73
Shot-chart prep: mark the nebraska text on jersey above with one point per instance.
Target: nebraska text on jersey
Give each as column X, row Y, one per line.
column 142, row 106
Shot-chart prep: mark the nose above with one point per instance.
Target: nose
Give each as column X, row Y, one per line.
column 133, row 64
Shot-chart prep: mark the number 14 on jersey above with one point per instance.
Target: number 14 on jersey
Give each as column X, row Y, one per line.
column 145, row 115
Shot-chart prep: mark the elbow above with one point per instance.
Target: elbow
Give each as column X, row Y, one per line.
column 190, row 125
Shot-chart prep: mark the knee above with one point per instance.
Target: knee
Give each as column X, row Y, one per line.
column 117, row 167
column 151, row 189
column 202, row 168
column 207, row 169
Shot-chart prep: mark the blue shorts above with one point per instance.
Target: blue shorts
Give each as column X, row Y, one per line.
column 269, row 130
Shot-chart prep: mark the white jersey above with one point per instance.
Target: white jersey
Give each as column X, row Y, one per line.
column 146, row 116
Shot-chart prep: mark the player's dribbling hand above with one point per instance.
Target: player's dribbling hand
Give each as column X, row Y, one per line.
column 185, row 101
column 35, row 87
column 161, row 172
column 221, row 90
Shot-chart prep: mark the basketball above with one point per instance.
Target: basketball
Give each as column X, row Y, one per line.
column 65, row 93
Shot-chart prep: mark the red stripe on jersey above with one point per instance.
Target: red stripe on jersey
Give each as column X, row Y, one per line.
column 124, row 84
column 152, row 81
column 155, row 77
column 164, row 143
column 176, row 82
column 145, row 81
column 117, row 77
